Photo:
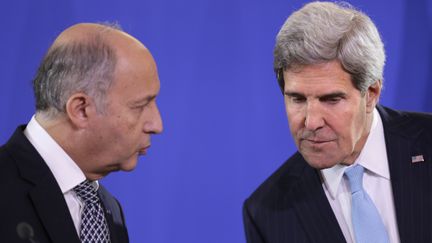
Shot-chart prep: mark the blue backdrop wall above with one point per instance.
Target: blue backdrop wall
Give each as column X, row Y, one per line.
column 225, row 126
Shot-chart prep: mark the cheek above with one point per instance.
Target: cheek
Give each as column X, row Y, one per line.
column 296, row 123
column 124, row 122
column 131, row 131
column 118, row 131
column 349, row 129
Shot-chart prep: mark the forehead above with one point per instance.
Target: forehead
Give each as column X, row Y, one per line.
column 135, row 75
column 324, row 76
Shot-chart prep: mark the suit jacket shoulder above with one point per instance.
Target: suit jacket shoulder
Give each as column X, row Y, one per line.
column 291, row 206
column 283, row 180
column 407, row 124
column 408, row 137
column 33, row 197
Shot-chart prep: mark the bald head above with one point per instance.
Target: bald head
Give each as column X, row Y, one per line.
column 83, row 32
column 96, row 94
column 83, row 58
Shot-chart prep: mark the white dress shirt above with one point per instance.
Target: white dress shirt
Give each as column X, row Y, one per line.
column 65, row 170
column 376, row 182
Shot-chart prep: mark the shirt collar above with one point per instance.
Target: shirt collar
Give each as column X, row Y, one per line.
column 65, row 170
column 373, row 157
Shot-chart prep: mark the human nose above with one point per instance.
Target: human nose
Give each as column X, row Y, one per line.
column 154, row 124
column 313, row 117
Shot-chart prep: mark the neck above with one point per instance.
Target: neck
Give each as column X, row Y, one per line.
column 66, row 136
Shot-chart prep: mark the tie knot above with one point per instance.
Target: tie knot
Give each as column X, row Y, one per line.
column 355, row 177
column 87, row 192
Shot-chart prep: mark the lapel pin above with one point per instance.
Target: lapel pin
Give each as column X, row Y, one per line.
column 417, row 158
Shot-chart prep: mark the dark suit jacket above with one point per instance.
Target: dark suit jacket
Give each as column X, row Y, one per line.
column 31, row 195
column 291, row 205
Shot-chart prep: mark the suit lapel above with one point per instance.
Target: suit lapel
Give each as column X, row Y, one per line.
column 47, row 198
column 109, row 217
column 313, row 209
column 114, row 216
column 411, row 182
column 53, row 212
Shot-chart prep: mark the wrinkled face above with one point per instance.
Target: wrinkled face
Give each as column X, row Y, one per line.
column 328, row 117
column 131, row 116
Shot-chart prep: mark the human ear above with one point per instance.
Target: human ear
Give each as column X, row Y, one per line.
column 79, row 109
column 372, row 96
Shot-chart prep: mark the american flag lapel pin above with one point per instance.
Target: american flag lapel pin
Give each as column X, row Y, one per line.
column 417, row 158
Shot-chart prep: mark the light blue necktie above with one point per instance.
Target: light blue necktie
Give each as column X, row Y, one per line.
column 367, row 223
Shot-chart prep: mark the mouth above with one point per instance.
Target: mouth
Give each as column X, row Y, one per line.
column 318, row 142
column 143, row 151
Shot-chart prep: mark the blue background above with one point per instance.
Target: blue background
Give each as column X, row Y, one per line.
column 225, row 125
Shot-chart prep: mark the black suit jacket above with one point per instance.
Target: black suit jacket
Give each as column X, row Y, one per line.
column 31, row 195
column 291, row 205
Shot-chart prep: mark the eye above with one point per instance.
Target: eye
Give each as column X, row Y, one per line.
column 294, row 97
column 140, row 107
column 331, row 100
column 298, row 99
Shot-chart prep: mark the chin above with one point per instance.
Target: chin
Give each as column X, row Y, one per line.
column 320, row 163
column 128, row 168
column 129, row 165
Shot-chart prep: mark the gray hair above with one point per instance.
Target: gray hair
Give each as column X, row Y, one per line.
column 77, row 66
column 323, row 31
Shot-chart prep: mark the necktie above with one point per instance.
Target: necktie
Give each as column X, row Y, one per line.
column 367, row 223
column 93, row 224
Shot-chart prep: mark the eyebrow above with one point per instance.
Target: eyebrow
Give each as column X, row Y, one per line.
column 145, row 99
column 332, row 95
column 293, row 94
column 321, row 97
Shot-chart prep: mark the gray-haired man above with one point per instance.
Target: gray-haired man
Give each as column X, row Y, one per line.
column 362, row 172
column 96, row 110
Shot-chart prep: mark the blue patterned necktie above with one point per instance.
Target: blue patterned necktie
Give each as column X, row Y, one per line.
column 367, row 223
column 94, row 227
